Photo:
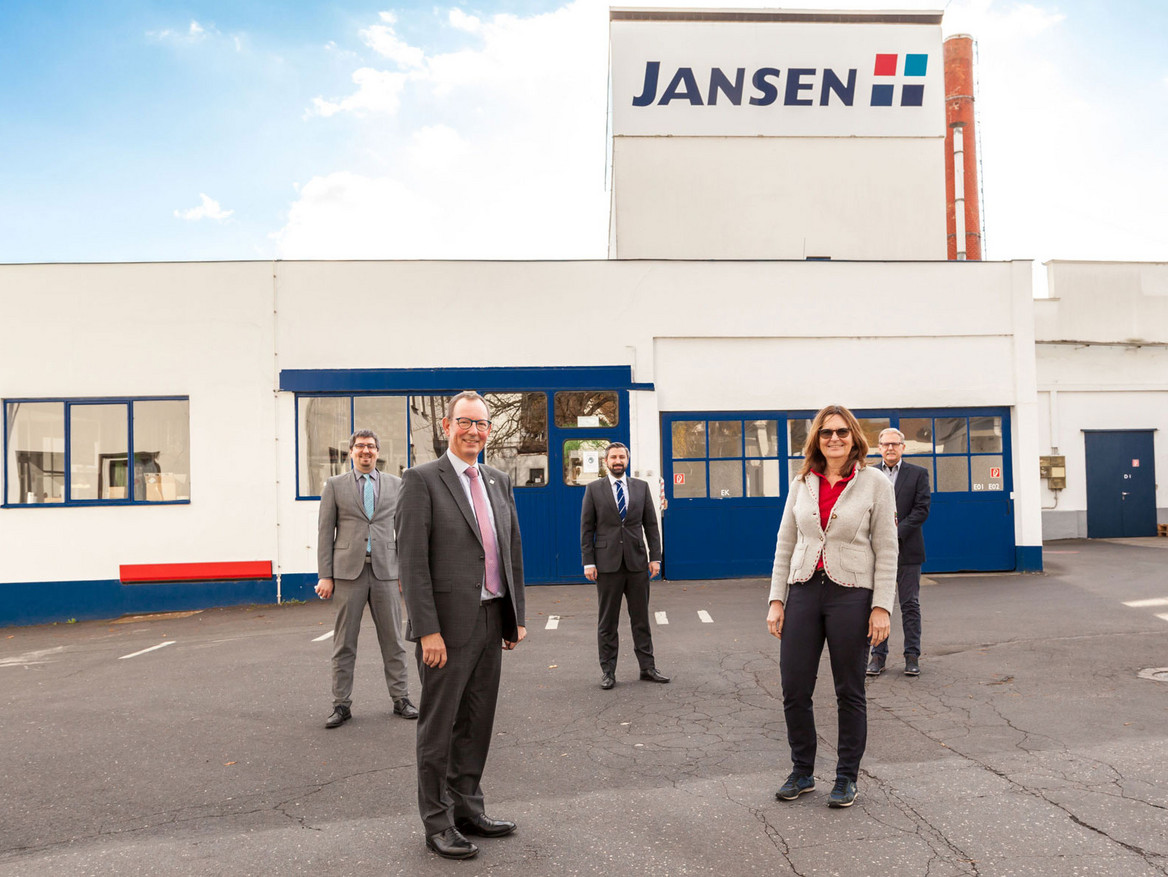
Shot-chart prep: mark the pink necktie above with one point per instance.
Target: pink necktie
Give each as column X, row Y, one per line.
column 486, row 532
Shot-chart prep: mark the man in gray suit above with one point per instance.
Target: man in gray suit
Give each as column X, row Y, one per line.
column 462, row 578
column 616, row 519
column 357, row 562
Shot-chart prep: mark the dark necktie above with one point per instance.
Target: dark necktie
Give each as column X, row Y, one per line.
column 620, row 500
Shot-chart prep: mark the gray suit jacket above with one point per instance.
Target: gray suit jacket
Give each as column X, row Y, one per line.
column 606, row 540
column 342, row 529
column 441, row 553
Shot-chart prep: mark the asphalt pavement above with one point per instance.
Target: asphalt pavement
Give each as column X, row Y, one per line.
column 194, row 744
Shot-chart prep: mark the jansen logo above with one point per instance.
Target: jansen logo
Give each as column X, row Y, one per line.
column 800, row 86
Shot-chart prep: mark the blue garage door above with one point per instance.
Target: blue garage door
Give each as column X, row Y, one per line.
column 727, row 476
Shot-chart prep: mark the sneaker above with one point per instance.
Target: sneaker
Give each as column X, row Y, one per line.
column 912, row 665
column 875, row 666
column 795, row 786
column 843, row 794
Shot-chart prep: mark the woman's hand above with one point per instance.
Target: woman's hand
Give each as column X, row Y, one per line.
column 775, row 619
column 879, row 626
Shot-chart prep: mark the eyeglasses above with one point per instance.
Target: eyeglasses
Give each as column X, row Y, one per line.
column 465, row 423
column 892, row 444
column 364, row 446
column 843, row 432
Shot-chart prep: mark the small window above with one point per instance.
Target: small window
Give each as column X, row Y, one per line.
column 584, row 461
column 586, row 409
column 689, row 439
column 327, row 422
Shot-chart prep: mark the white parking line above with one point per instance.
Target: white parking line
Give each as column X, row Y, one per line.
column 328, row 635
column 169, row 642
column 1163, row 615
column 1144, row 604
column 705, row 616
column 661, row 617
column 553, row 622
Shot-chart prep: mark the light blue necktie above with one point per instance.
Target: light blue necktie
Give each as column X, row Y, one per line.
column 368, row 510
column 620, row 500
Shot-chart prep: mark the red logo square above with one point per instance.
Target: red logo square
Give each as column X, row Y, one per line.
column 885, row 65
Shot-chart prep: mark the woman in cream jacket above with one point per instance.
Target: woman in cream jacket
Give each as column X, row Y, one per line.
column 834, row 580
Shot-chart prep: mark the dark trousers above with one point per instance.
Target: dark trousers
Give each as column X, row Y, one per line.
column 816, row 611
column 456, row 715
column 633, row 586
column 908, row 591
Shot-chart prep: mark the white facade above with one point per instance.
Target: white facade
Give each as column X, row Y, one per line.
column 706, row 335
column 1102, row 360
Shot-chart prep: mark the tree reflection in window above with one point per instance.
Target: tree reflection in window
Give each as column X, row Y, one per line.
column 518, row 443
column 427, row 440
column 586, row 409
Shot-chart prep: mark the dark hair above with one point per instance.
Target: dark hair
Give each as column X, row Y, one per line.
column 364, row 433
column 615, row 446
column 814, row 461
column 469, row 395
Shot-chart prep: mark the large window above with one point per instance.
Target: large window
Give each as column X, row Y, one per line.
column 97, row 451
column 725, row 459
column 324, row 424
column 961, row 454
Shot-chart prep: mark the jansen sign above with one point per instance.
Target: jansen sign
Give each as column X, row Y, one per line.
column 778, row 79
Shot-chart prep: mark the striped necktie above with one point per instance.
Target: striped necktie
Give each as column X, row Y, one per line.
column 620, row 500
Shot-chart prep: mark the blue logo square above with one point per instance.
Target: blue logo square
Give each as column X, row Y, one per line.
column 912, row 95
column 915, row 65
column 881, row 95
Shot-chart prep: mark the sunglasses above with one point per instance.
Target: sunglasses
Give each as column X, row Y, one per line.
column 843, row 432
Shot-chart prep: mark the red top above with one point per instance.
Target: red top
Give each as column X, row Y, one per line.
column 827, row 497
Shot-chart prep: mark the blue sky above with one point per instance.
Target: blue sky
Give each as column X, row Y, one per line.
column 142, row 131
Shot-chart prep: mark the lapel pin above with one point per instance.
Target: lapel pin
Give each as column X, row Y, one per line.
column 491, row 480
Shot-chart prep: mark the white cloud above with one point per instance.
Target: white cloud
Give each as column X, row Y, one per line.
column 383, row 39
column 378, row 91
column 208, row 209
column 459, row 20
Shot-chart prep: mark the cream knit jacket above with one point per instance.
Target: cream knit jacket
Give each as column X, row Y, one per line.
column 859, row 546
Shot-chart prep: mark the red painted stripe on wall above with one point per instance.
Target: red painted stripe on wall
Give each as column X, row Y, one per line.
column 134, row 573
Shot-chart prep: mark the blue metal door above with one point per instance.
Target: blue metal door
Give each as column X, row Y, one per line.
column 1121, row 483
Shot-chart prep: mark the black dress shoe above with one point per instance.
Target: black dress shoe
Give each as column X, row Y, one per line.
column 402, row 707
column 875, row 666
column 450, row 844
column 607, row 681
column 341, row 714
column 652, row 675
column 484, row 826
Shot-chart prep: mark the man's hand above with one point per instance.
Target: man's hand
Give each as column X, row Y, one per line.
column 654, row 568
column 507, row 644
column 775, row 619
column 324, row 588
column 434, row 650
column 590, row 573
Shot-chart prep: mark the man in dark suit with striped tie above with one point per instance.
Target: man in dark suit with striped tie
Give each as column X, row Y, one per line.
column 616, row 520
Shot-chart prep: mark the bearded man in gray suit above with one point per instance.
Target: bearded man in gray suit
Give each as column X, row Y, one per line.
column 462, row 578
column 357, row 563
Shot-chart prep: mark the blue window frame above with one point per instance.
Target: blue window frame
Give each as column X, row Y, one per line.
column 97, row 451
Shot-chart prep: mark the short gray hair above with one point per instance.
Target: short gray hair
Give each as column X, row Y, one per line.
column 890, row 429
column 469, row 395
